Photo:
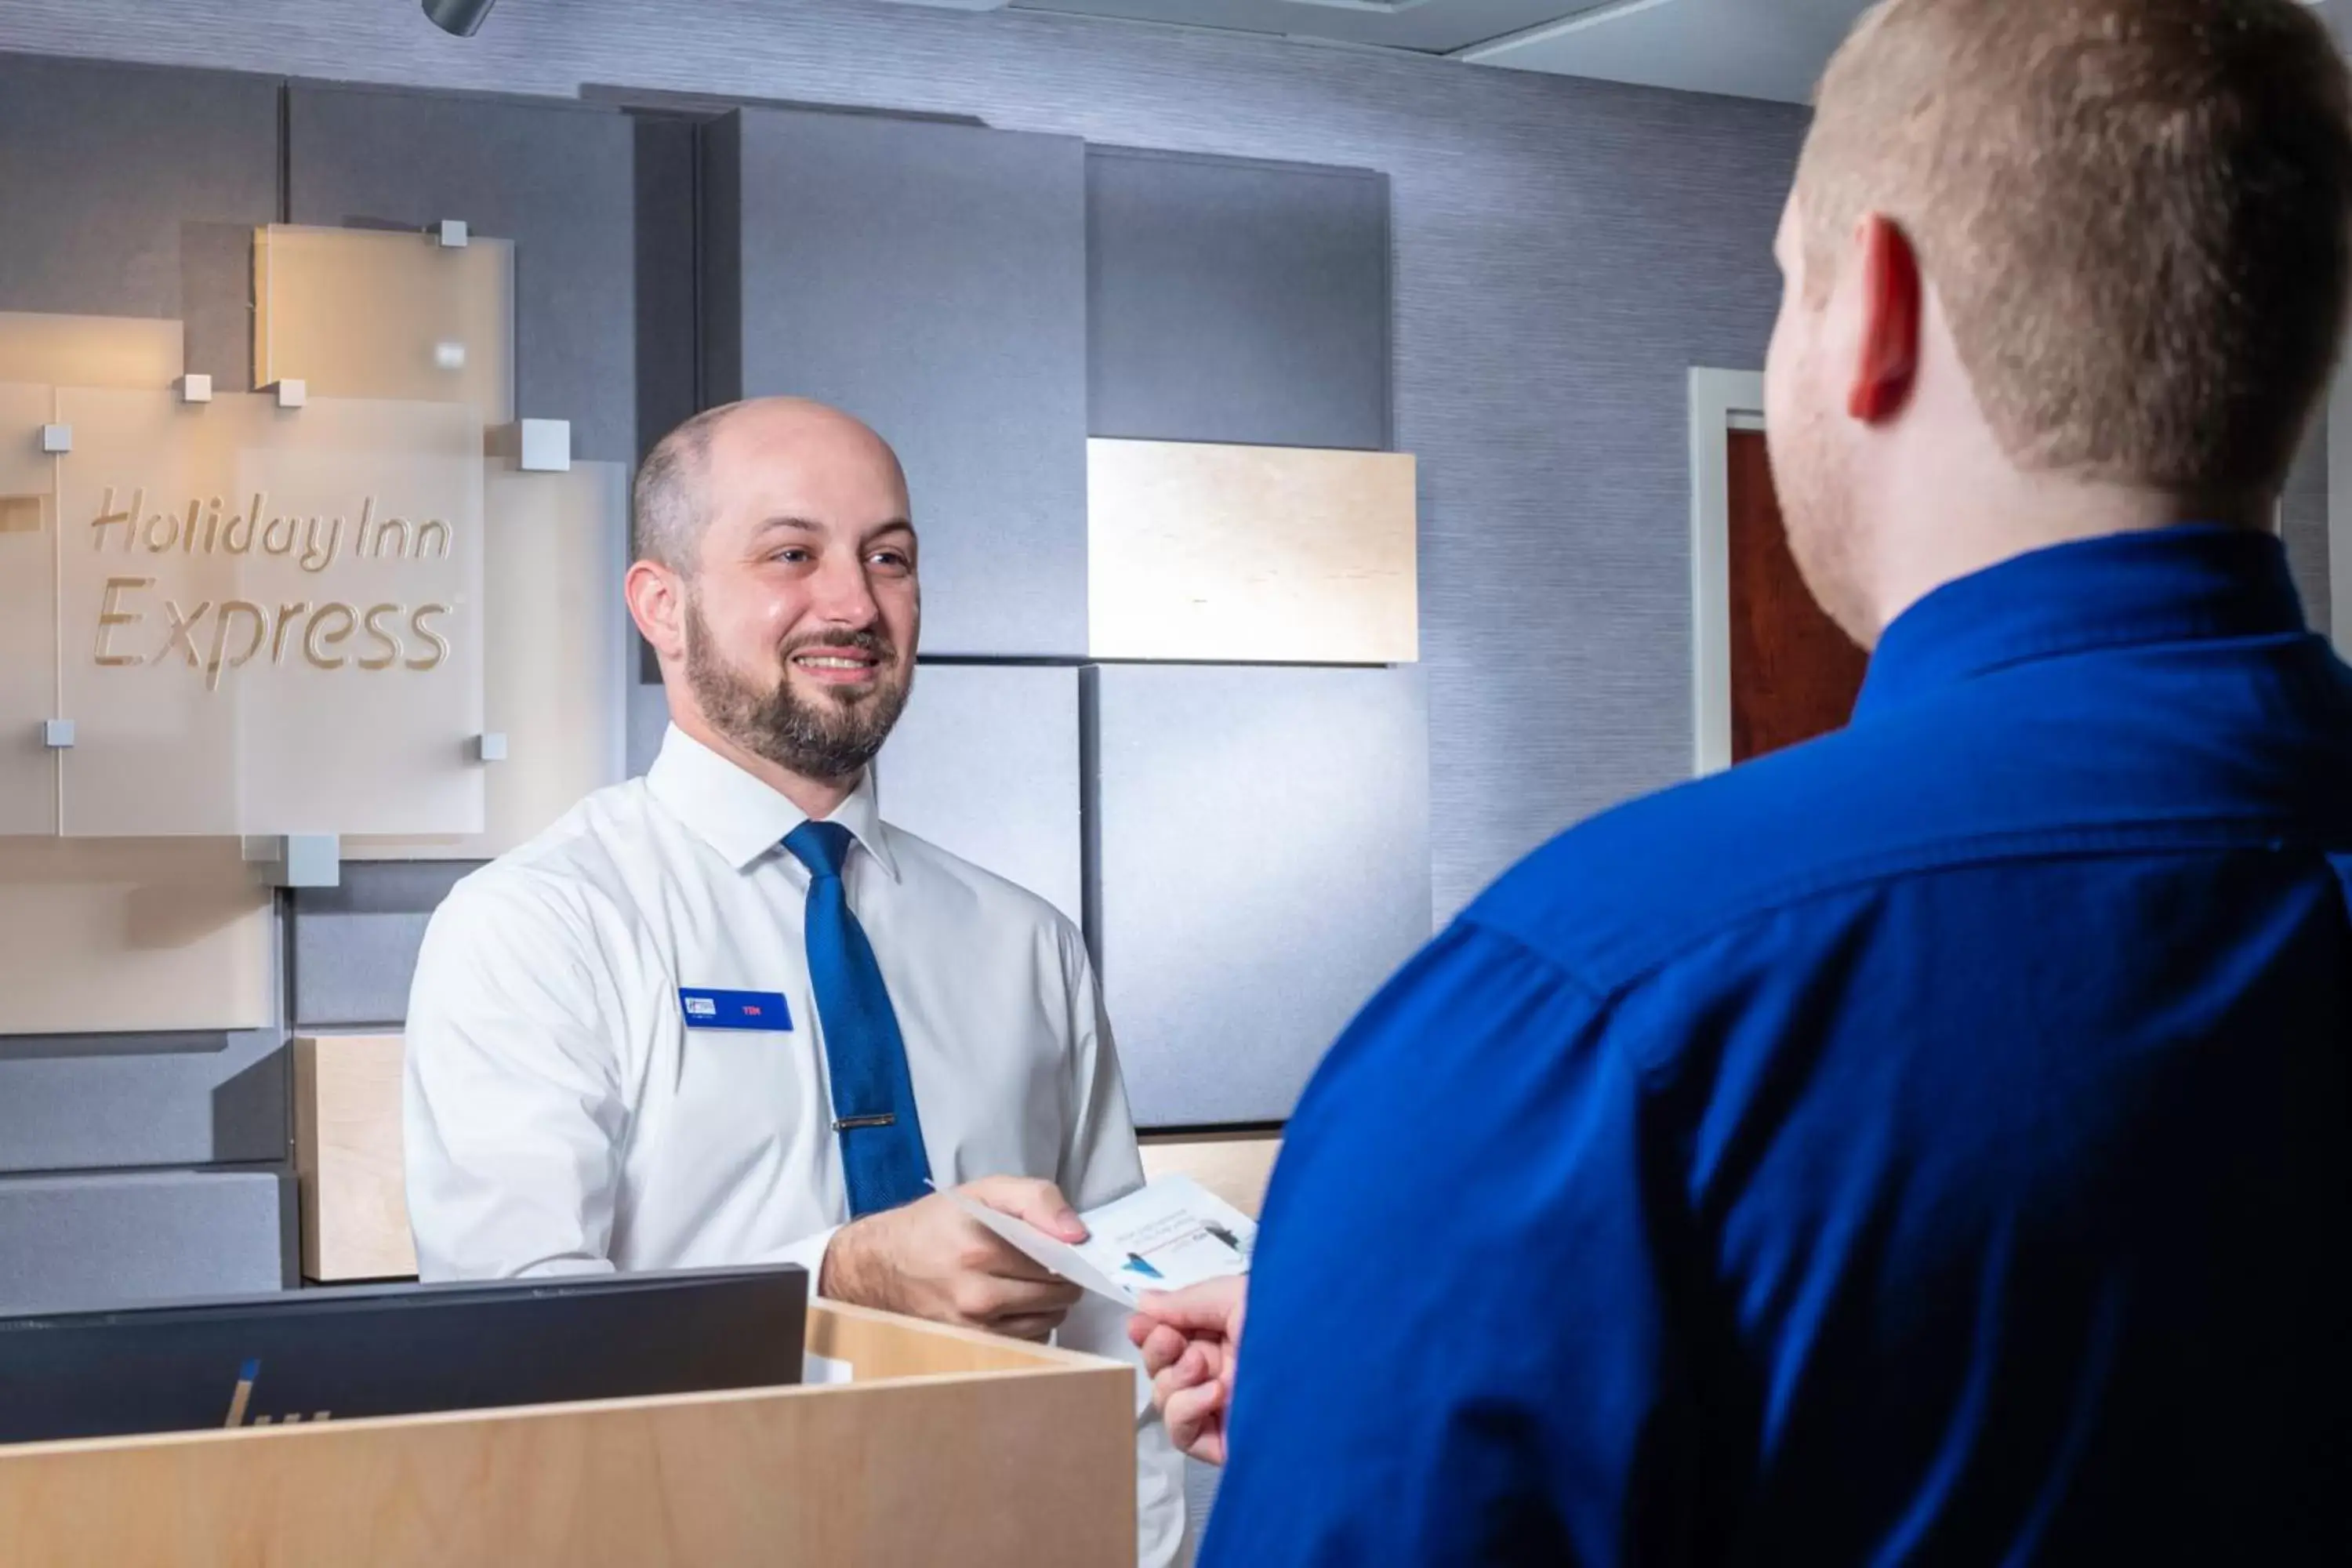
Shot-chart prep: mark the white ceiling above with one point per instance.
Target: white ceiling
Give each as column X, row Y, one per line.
column 1433, row 27
column 1746, row 49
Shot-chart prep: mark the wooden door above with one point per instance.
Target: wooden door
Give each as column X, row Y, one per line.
column 1794, row 675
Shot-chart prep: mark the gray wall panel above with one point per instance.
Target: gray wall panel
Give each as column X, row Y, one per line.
column 135, row 192
column 355, row 946
column 1236, row 301
column 71, row 1243
column 648, row 722
column 1564, row 252
column 1264, row 856
column 557, row 179
column 929, row 278
column 984, row 763
column 2304, row 511
column 92, row 1100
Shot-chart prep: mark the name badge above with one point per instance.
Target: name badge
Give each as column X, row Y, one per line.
column 733, row 1009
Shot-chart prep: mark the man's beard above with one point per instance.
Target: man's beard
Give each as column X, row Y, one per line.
column 816, row 740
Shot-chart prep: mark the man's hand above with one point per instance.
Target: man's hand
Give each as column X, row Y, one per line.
column 1192, row 1343
column 930, row 1260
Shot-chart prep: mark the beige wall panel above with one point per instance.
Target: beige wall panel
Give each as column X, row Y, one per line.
column 133, row 934
column 91, row 351
column 348, row 1160
column 1236, row 1169
column 1253, row 554
column 556, row 675
column 28, row 609
column 385, row 313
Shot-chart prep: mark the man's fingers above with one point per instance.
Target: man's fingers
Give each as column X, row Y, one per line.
column 997, row 1298
column 1196, row 1418
column 1212, row 1306
column 1161, row 1347
column 1036, row 1326
column 985, row 1252
column 1191, row 1370
column 1039, row 1202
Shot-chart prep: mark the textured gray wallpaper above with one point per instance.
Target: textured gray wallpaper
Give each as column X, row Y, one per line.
column 1565, row 251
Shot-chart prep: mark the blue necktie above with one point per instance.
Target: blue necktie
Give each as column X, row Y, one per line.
column 873, row 1097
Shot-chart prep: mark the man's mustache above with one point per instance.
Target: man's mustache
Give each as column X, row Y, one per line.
column 870, row 642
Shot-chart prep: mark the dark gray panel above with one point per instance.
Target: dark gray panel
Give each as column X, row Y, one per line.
column 559, row 180
column 355, row 945
column 132, row 192
column 1236, row 301
column 78, row 1243
column 931, row 278
column 666, row 280
column 984, row 763
column 2302, row 520
column 85, row 1101
column 1264, row 856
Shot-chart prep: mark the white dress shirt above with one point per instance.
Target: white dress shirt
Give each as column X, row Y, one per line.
column 561, row 1116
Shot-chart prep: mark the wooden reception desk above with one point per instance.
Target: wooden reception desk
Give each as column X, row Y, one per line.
column 947, row 1446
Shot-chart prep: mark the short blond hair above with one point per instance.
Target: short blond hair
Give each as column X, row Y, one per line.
column 2134, row 212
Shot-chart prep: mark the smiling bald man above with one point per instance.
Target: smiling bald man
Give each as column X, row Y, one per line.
column 726, row 1014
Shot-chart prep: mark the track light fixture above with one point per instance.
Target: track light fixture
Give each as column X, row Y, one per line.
column 462, row 17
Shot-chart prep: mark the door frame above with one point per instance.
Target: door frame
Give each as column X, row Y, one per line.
column 1721, row 400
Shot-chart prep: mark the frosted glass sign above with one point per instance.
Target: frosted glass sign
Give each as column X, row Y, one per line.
column 270, row 618
column 555, row 654
column 89, row 350
column 28, row 615
column 384, row 313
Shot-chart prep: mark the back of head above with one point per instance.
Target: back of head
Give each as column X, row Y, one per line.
column 2134, row 212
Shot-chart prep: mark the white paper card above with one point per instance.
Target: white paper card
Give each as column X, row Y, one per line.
column 1166, row 1236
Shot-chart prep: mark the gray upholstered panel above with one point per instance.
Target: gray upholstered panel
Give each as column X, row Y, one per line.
column 1264, row 861
column 984, row 763
column 85, row 1101
column 72, row 1243
column 929, row 278
column 355, row 945
column 1564, row 252
column 130, row 192
column 648, row 721
column 2303, row 521
column 559, row 180
column 1237, row 301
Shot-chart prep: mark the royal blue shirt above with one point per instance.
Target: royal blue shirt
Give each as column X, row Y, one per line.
column 1930, row 1144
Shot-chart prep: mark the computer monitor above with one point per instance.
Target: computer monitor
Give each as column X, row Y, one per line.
column 397, row 1350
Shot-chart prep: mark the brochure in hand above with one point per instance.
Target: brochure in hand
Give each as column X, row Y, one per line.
column 1162, row 1236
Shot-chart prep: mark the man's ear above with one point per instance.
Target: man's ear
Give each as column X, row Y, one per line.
column 1886, row 357
column 657, row 603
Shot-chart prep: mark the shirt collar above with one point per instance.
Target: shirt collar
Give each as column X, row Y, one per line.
column 743, row 818
column 2192, row 582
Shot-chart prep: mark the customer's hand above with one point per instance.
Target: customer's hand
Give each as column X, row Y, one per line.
column 930, row 1260
column 1192, row 1343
